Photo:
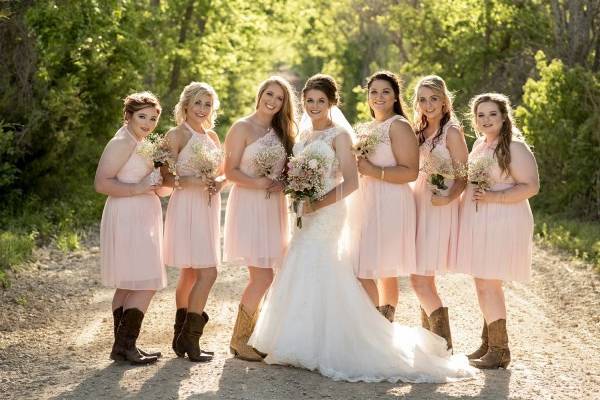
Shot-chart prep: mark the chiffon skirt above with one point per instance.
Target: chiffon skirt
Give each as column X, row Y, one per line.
column 387, row 242
column 192, row 229
column 437, row 231
column 256, row 228
column 131, row 235
column 317, row 316
column 496, row 241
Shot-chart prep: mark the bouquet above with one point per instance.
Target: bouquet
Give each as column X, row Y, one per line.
column 155, row 149
column 368, row 139
column 478, row 173
column 438, row 169
column 265, row 163
column 306, row 176
column 205, row 163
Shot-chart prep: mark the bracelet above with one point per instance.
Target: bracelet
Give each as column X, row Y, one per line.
column 382, row 175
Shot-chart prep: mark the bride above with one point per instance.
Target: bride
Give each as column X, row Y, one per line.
column 317, row 315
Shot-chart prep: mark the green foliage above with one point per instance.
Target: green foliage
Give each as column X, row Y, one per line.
column 15, row 249
column 561, row 115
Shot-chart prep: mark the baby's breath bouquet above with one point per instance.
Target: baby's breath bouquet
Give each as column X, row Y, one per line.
column 269, row 163
column 306, row 176
column 205, row 162
column 478, row 173
column 155, row 149
column 438, row 169
column 368, row 138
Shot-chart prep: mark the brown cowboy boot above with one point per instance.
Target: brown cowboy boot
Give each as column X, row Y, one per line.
column 242, row 330
column 424, row 320
column 388, row 311
column 127, row 334
column 498, row 354
column 179, row 320
column 187, row 341
column 440, row 324
column 117, row 316
column 480, row 352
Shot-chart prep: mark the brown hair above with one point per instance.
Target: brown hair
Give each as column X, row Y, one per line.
column 438, row 85
column 396, row 84
column 284, row 122
column 502, row 151
column 324, row 83
column 138, row 101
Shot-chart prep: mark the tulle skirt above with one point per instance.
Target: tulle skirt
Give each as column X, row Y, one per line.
column 317, row 316
column 131, row 234
column 496, row 240
column 256, row 228
column 437, row 231
column 387, row 243
column 192, row 229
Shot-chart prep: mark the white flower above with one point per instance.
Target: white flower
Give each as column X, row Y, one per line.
column 313, row 164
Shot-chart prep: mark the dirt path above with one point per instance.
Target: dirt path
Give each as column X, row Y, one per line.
column 56, row 332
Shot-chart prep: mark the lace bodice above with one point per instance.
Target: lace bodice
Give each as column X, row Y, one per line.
column 324, row 140
column 183, row 158
column 253, row 149
column 500, row 181
column 137, row 167
column 440, row 150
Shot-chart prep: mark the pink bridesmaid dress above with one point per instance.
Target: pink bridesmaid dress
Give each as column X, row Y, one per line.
column 437, row 226
column 131, row 232
column 496, row 240
column 256, row 227
column 192, row 227
column 387, row 242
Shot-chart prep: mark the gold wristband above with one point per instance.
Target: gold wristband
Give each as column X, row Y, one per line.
column 382, row 174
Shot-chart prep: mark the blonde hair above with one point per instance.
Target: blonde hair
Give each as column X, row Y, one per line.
column 138, row 101
column 439, row 87
column 190, row 94
column 284, row 122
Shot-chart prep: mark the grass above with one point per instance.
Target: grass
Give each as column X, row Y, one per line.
column 578, row 238
column 15, row 249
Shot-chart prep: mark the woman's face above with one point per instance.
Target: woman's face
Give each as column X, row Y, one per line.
column 381, row 97
column 317, row 105
column 200, row 111
column 488, row 118
column 271, row 101
column 142, row 122
column 430, row 103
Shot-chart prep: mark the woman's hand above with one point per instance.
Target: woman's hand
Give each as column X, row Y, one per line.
column 437, row 200
column 276, row 186
column 214, row 186
column 148, row 184
column 364, row 166
column 484, row 196
column 309, row 207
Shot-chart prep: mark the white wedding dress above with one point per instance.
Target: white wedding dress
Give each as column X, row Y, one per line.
column 317, row 315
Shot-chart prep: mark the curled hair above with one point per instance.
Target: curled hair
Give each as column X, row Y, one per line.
column 508, row 130
column 138, row 101
column 396, row 84
column 324, row 83
column 284, row 121
column 190, row 94
column 438, row 85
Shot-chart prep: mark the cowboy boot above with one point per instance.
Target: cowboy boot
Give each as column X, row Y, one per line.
column 179, row 320
column 117, row 316
column 440, row 325
column 388, row 311
column 188, row 339
column 127, row 334
column 498, row 354
column 424, row 319
column 480, row 352
column 242, row 330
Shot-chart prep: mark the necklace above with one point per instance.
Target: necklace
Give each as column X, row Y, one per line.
column 265, row 129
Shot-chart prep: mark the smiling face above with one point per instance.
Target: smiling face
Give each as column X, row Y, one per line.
column 489, row 118
column 142, row 122
column 271, row 100
column 316, row 105
column 381, row 97
column 430, row 103
column 199, row 112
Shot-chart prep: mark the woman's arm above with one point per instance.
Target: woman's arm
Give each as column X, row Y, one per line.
column 457, row 147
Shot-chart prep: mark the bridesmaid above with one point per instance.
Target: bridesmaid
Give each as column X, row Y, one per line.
column 440, row 138
column 131, row 229
column 387, row 245
column 192, row 227
column 496, row 225
column 256, row 231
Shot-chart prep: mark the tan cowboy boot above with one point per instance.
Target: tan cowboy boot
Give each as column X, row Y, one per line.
column 440, row 324
column 480, row 352
column 424, row 319
column 242, row 330
column 498, row 354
